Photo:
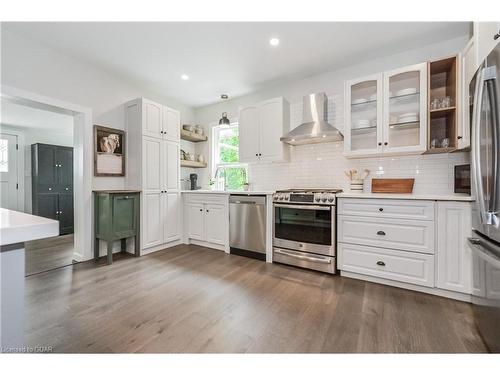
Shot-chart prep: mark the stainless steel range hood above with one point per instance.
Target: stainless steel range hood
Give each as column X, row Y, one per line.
column 314, row 128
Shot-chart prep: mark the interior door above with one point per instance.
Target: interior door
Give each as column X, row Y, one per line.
column 248, row 129
column 271, row 129
column 8, row 171
column 215, row 224
column 171, row 216
column 65, row 215
column 64, row 170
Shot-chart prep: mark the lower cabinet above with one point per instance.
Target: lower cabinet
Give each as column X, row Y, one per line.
column 161, row 223
column 454, row 258
column 207, row 219
column 428, row 250
column 56, row 206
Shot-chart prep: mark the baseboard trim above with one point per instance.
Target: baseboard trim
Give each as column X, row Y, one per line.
column 398, row 284
column 164, row 246
column 207, row 244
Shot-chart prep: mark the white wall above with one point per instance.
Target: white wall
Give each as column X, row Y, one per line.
column 305, row 167
column 34, row 67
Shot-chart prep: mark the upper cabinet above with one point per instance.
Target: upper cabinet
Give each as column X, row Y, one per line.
column 386, row 113
column 260, row 127
column 486, row 37
column 159, row 121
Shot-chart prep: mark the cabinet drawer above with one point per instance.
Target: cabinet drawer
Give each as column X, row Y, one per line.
column 409, row 235
column 386, row 208
column 408, row 267
column 206, row 198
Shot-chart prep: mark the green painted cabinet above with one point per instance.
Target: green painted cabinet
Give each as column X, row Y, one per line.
column 117, row 216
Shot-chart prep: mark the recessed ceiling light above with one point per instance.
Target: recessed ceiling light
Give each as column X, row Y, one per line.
column 274, row 42
column 185, row 77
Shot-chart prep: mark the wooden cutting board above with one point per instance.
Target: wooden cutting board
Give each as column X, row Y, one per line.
column 392, row 185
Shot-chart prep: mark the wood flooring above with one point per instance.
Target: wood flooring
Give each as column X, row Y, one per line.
column 190, row 299
column 48, row 254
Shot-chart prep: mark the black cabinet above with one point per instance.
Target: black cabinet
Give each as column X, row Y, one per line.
column 52, row 184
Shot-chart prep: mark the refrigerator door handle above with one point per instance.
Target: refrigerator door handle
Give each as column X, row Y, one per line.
column 476, row 155
column 491, row 88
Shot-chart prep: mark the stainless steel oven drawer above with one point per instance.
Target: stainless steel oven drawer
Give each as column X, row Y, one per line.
column 305, row 260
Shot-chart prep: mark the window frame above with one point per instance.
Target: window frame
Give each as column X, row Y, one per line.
column 216, row 164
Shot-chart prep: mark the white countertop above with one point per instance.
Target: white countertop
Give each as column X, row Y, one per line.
column 427, row 197
column 18, row 227
column 228, row 192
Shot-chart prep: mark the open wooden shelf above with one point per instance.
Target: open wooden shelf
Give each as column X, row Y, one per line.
column 192, row 136
column 439, row 150
column 447, row 109
column 193, row 164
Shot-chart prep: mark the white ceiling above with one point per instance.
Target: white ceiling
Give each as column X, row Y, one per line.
column 232, row 58
column 14, row 114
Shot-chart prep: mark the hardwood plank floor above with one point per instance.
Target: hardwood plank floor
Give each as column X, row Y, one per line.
column 48, row 254
column 190, row 299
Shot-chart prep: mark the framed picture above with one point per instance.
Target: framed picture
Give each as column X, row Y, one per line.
column 109, row 151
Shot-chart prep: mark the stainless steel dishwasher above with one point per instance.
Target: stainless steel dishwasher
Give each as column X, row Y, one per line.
column 247, row 225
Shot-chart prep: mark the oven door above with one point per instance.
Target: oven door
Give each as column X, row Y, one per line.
column 308, row 228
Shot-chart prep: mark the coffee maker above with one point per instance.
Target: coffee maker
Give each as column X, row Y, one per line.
column 193, row 177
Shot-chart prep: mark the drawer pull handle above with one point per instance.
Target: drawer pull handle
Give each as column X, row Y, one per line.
column 381, row 233
column 381, row 209
column 380, row 263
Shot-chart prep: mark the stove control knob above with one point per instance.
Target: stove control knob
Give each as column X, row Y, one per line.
column 287, row 197
column 317, row 197
column 331, row 198
column 281, row 197
column 323, row 198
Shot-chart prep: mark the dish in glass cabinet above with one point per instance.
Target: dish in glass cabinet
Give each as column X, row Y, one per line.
column 408, row 91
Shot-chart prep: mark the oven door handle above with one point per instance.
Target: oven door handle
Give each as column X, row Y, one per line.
column 303, row 257
column 303, row 207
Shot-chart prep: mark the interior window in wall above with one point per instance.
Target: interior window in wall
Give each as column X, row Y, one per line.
column 228, row 172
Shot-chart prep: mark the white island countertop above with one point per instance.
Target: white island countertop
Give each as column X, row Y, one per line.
column 18, row 227
column 426, row 197
column 228, row 192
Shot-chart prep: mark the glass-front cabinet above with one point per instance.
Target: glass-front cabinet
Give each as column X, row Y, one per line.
column 386, row 113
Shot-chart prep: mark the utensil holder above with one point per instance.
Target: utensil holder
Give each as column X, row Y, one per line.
column 357, row 185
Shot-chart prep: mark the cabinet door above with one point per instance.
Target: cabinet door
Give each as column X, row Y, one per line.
column 467, row 70
column 195, row 218
column 363, row 116
column 44, row 169
column 453, row 253
column 152, row 119
column 216, row 225
column 484, row 39
column 171, row 124
column 64, row 170
column 152, row 149
column 171, row 216
column 152, row 220
column 45, row 205
column 271, row 117
column 65, row 216
column 248, row 128
column 405, row 110
column 170, row 165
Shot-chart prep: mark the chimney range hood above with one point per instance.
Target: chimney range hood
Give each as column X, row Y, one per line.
column 314, row 128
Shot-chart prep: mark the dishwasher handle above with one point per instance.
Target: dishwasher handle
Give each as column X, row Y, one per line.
column 243, row 199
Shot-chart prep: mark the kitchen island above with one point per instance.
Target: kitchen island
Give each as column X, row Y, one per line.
column 15, row 229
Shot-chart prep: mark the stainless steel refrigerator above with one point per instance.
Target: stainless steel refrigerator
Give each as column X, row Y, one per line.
column 484, row 92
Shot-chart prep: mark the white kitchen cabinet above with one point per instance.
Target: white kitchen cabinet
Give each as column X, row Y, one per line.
column 172, row 216
column 386, row 113
column 214, row 223
column 454, row 263
column 171, row 125
column 195, row 215
column 154, row 168
column 484, row 39
column 260, row 127
column 207, row 220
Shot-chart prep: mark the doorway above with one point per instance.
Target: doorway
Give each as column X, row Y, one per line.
column 9, row 172
column 81, row 172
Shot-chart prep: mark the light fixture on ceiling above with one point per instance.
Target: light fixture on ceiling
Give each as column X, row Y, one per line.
column 185, row 77
column 274, row 42
column 224, row 120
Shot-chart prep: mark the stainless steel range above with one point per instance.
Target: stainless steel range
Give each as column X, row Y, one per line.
column 304, row 228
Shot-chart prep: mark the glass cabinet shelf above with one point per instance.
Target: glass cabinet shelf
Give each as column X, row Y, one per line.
column 406, row 96
column 364, row 103
column 406, row 124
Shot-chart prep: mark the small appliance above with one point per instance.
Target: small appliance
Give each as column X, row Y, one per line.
column 193, row 177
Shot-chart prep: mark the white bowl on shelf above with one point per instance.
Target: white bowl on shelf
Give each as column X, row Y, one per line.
column 408, row 117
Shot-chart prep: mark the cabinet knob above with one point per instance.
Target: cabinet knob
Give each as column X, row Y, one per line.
column 380, row 143
column 66, row 188
column 50, row 188
column 256, row 154
column 380, row 263
column 381, row 209
column 201, row 209
column 381, row 233
column 207, row 210
column 385, row 143
column 496, row 36
column 459, row 137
